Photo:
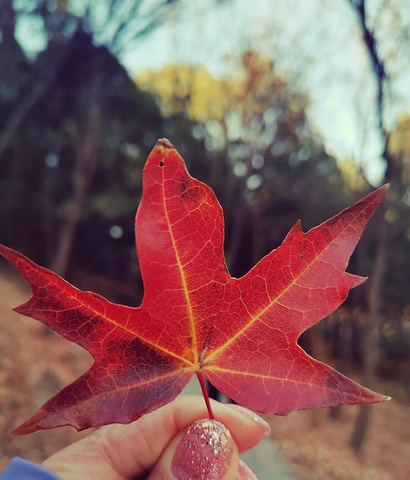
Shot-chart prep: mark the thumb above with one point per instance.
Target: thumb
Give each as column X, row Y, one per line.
column 205, row 450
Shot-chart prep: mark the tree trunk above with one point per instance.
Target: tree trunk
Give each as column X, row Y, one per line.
column 373, row 320
column 371, row 335
column 84, row 169
column 18, row 115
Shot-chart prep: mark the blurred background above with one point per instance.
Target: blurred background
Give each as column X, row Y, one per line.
column 287, row 109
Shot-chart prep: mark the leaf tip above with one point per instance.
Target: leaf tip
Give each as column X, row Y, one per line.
column 375, row 397
column 164, row 143
column 41, row 420
column 163, row 147
column 4, row 251
column 297, row 228
column 163, row 153
column 20, row 309
column 378, row 194
column 24, row 428
column 356, row 280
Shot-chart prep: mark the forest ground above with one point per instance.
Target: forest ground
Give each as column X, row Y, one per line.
column 36, row 364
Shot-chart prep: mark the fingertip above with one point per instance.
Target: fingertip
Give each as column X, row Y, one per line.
column 245, row 471
column 254, row 417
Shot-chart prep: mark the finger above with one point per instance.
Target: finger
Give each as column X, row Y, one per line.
column 246, row 472
column 135, row 448
column 205, row 449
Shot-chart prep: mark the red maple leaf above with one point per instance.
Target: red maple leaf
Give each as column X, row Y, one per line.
column 241, row 334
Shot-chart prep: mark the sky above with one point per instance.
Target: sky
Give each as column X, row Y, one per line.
column 315, row 45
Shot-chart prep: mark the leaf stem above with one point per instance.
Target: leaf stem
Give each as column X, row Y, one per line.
column 201, row 381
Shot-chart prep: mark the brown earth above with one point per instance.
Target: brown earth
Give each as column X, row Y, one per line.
column 316, row 447
column 35, row 364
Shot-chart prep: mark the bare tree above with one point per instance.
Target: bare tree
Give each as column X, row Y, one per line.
column 123, row 23
column 372, row 317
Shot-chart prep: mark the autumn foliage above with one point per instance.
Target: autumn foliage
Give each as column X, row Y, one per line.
column 241, row 334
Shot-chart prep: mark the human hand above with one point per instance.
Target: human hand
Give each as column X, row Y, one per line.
column 175, row 442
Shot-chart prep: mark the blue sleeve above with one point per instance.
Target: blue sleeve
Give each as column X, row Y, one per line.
column 19, row 469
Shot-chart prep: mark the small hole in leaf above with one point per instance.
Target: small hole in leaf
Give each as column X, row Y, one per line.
column 161, row 164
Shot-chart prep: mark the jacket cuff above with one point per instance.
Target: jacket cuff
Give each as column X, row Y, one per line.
column 19, row 469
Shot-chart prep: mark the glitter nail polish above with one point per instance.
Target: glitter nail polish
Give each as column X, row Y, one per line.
column 204, row 452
